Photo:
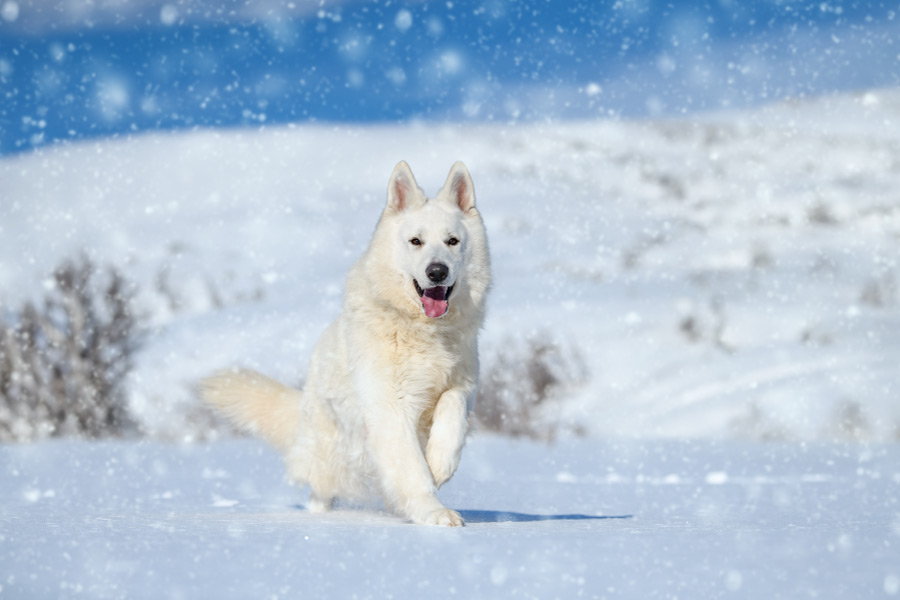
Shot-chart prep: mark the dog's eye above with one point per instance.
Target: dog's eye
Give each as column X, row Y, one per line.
column 415, row 242
column 452, row 241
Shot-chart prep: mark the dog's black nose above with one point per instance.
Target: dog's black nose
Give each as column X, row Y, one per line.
column 437, row 272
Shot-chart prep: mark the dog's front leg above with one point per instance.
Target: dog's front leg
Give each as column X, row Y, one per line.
column 405, row 478
column 448, row 435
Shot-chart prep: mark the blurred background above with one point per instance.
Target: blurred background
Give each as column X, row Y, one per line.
column 71, row 69
column 692, row 206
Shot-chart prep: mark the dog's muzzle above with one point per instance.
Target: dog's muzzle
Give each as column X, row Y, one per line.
column 435, row 300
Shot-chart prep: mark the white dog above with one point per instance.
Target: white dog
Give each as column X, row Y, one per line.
column 392, row 380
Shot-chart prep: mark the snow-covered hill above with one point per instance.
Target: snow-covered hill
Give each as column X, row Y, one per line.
column 724, row 276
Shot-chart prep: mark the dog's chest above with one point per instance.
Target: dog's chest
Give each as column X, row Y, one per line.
column 425, row 365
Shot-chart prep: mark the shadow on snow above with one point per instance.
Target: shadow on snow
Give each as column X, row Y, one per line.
column 498, row 516
column 490, row 516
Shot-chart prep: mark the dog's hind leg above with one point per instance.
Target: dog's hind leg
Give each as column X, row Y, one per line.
column 319, row 504
column 314, row 460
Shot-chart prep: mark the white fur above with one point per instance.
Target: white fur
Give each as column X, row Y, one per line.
column 388, row 389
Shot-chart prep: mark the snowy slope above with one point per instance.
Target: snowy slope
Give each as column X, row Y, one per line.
column 580, row 519
column 722, row 276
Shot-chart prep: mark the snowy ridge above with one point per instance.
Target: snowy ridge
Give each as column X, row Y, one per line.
column 723, row 276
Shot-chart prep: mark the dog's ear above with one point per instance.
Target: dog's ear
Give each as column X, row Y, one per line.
column 459, row 188
column 403, row 191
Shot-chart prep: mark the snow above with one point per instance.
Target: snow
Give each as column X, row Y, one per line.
column 713, row 281
column 582, row 518
column 731, row 276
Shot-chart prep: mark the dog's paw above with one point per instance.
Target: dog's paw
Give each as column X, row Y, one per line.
column 319, row 505
column 444, row 517
column 441, row 465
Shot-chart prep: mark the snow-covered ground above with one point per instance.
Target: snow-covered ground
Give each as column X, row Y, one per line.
column 581, row 519
column 726, row 276
column 720, row 279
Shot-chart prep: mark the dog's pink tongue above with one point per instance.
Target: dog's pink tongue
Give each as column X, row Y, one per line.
column 434, row 301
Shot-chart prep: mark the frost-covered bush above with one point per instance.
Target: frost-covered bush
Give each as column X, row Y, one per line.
column 522, row 385
column 881, row 291
column 63, row 363
column 705, row 323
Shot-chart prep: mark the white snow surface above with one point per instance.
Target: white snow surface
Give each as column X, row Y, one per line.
column 725, row 276
column 581, row 519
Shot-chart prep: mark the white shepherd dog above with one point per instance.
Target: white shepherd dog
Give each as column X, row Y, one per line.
column 392, row 380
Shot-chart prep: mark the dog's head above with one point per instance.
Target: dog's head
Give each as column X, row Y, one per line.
column 433, row 238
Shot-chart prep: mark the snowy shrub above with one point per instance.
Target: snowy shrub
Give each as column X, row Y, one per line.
column 201, row 423
column 758, row 425
column 761, row 257
column 821, row 214
column 852, row 422
column 63, row 364
column 881, row 291
column 521, row 387
column 705, row 323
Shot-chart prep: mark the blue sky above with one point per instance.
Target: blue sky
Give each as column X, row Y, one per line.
column 68, row 71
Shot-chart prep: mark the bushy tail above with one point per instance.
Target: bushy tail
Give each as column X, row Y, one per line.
column 256, row 404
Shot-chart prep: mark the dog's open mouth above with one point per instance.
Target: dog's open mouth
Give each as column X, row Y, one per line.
column 435, row 300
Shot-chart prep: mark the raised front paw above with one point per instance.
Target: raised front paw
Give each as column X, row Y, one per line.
column 442, row 464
